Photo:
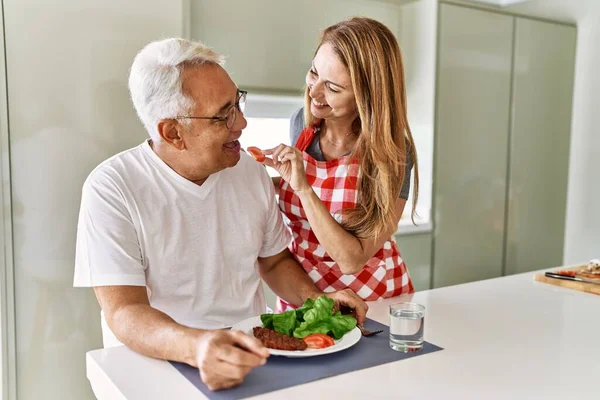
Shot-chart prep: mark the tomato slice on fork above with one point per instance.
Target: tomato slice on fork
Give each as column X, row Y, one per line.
column 256, row 153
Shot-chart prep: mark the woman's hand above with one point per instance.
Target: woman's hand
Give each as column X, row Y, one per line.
column 288, row 162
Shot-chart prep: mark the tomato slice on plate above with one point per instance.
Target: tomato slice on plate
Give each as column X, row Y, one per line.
column 256, row 153
column 318, row 341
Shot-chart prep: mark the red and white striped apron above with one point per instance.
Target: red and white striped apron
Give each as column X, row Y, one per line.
column 334, row 182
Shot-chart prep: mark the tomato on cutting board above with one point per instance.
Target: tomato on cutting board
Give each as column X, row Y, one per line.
column 318, row 341
column 566, row 273
column 256, row 153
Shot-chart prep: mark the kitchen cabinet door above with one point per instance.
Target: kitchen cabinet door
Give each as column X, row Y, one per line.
column 472, row 125
column 539, row 152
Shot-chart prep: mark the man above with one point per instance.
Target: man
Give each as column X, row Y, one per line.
column 174, row 235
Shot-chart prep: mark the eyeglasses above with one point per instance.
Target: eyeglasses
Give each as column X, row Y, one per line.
column 229, row 117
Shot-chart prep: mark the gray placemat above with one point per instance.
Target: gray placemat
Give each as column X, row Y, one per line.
column 282, row 372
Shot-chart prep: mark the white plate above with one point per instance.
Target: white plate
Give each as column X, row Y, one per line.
column 348, row 340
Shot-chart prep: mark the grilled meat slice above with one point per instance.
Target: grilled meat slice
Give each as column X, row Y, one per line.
column 275, row 340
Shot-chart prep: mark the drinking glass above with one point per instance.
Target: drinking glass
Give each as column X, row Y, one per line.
column 407, row 323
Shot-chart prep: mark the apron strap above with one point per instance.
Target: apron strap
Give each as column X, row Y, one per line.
column 306, row 136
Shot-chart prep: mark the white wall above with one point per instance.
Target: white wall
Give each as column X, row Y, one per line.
column 582, row 241
column 582, row 236
column 417, row 37
column 269, row 44
column 67, row 68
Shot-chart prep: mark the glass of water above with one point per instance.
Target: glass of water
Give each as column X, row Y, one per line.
column 407, row 323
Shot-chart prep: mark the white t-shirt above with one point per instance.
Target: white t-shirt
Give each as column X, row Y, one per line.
column 195, row 248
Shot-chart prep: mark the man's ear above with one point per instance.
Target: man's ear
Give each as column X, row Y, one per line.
column 171, row 131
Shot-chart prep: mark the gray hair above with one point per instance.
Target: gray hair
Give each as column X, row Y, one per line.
column 155, row 79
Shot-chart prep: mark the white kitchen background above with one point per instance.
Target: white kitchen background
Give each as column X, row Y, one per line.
column 64, row 107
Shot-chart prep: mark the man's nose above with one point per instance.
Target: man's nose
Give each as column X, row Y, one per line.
column 240, row 121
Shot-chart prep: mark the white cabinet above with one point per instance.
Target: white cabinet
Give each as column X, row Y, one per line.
column 416, row 252
column 539, row 153
column 503, row 114
column 472, row 124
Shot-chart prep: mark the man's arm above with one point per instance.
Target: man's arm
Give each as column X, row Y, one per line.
column 224, row 358
column 143, row 328
column 289, row 281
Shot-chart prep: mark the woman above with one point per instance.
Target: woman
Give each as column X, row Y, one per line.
column 345, row 183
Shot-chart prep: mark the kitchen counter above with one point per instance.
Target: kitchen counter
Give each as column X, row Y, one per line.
column 504, row 338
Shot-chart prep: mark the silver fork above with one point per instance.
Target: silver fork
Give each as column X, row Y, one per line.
column 365, row 332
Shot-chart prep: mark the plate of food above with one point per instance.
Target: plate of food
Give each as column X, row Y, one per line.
column 311, row 330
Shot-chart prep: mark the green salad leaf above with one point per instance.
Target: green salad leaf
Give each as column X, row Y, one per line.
column 285, row 322
column 267, row 320
column 308, row 304
column 315, row 316
column 341, row 324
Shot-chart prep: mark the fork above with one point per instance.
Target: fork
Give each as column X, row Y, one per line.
column 365, row 332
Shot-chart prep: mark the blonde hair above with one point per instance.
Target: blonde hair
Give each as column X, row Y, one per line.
column 372, row 55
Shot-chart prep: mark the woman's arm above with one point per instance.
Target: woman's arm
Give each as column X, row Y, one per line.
column 347, row 250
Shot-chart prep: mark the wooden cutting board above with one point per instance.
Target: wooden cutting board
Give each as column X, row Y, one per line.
column 581, row 286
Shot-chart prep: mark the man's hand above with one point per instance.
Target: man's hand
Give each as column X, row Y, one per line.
column 224, row 358
column 350, row 299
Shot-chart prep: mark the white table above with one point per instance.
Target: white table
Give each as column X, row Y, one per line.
column 504, row 338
